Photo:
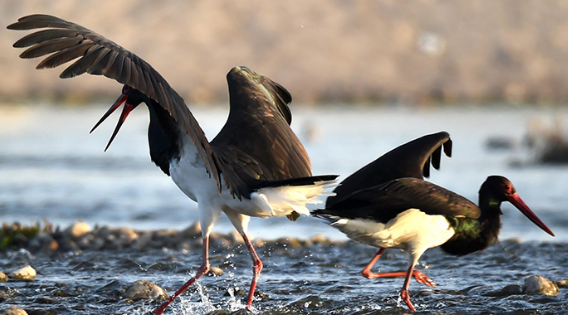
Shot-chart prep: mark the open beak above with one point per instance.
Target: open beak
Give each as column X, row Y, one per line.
column 125, row 111
column 516, row 200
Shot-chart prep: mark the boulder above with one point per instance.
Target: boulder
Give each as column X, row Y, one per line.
column 539, row 285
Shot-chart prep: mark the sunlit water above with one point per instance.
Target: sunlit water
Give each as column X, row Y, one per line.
column 50, row 167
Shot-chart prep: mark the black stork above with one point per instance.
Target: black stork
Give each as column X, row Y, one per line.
column 255, row 166
column 387, row 204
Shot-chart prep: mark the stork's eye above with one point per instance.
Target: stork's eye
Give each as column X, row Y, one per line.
column 507, row 187
column 125, row 89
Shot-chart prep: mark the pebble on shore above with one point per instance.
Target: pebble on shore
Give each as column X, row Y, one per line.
column 144, row 289
column 26, row 272
column 77, row 229
column 3, row 277
column 13, row 311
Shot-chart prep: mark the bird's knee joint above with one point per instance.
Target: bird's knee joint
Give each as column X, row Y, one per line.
column 204, row 269
column 257, row 267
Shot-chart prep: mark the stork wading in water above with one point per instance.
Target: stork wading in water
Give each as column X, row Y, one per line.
column 255, row 166
column 387, row 204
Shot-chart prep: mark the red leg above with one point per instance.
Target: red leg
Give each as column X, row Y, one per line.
column 200, row 272
column 367, row 271
column 404, row 292
column 419, row 276
column 257, row 267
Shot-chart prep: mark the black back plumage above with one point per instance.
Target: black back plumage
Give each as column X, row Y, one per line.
column 384, row 202
column 256, row 142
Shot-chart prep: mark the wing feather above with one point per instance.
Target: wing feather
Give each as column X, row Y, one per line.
column 383, row 202
column 99, row 55
column 82, row 65
column 412, row 159
column 48, row 47
column 65, row 55
column 43, row 36
column 259, row 111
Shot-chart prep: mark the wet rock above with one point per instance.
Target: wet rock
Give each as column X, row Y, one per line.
column 66, row 244
column 215, row 271
column 192, row 231
column 26, row 272
column 163, row 238
column 142, row 241
column 103, row 232
column 112, row 286
column 144, row 289
column 318, row 239
column 310, row 302
column 86, row 240
column 124, row 237
column 257, row 243
column 77, row 229
column 45, row 300
column 13, row 311
column 235, row 238
column 3, row 277
column 511, row 289
column 217, row 240
column 97, row 243
column 43, row 242
column 291, row 242
column 539, row 284
column 562, row 283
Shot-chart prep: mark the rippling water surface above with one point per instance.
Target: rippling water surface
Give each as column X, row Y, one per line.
column 50, row 167
column 319, row 279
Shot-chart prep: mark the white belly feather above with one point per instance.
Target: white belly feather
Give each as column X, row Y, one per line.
column 412, row 230
column 190, row 176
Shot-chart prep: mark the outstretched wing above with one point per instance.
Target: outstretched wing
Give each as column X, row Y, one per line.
column 383, row 202
column 66, row 41
column 257, row 142
column 411, row 159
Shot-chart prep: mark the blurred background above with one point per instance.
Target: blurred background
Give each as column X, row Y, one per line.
column 337, row 51
column 365, row 76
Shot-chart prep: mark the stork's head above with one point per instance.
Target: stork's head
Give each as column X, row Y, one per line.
column 131, row 98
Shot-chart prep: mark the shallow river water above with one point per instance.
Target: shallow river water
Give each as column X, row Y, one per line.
column 319, row 279
column 50, row 167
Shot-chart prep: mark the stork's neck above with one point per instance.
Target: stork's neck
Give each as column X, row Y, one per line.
column 164, row 137
column 476, row 234
column 490, row 219
column 489, row 205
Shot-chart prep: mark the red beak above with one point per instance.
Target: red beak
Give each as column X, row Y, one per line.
column 125, row 111
column 516, row 200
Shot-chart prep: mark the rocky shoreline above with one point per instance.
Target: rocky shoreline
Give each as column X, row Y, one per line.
column 81, row 237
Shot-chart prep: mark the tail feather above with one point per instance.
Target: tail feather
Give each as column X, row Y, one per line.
column 300, row 181
column 282, row 198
